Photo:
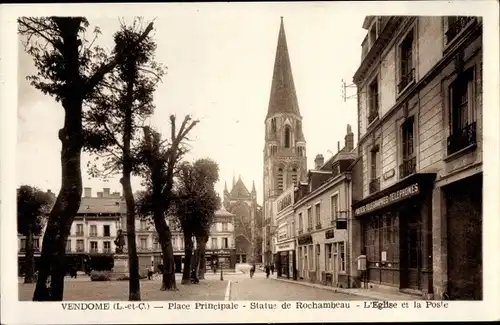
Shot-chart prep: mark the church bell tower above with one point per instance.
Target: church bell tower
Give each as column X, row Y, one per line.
column 285, row 145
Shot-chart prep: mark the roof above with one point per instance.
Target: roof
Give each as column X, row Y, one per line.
column 239, row 190
column 100, row 205
column 283, row 98
column 222, row 212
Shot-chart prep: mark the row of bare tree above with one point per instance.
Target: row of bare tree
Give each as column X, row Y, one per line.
column 107, row 97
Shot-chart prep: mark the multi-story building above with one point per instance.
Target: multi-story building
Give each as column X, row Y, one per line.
column 285, row 258
column 420, row 124
column 285, row 160
column 322, row 208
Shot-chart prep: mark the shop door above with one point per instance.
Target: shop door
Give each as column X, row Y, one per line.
column 411, row 254
column 464, row 227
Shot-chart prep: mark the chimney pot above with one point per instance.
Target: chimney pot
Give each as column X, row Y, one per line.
column 349, row 139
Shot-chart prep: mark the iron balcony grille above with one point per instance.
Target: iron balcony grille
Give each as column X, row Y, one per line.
column 79, row 249
column 79, row 233
column 462, row 138
column 456, row 27
column 406, row 80
column 93, row 234
column 408, row 167
column 318, row 226
column 107, row 250
column 374, row 185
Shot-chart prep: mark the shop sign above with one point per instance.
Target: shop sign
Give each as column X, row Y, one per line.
column 388, row 199
column 219, row 252
column 285, row 247
column 329, row 234
column 305, row 240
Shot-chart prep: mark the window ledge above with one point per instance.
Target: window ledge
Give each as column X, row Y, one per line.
column 460, row 152
column 408, row 86
column 375, row 120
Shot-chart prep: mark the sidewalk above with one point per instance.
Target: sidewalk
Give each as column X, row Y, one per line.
column 370, row 294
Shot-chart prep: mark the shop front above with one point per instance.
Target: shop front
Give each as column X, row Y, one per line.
column 286, row 260
column 225, row 258
column 396, row 236
column 305, row 257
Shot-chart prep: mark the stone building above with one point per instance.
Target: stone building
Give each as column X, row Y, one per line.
column 285, row 145
column 420, row 125
column 248, row 214
column 322, row 208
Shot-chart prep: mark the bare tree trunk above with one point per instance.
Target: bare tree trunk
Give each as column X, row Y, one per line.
column 68, row 201
column 201, row 259
column 28, row 263
column 134, row 283
column 165, row 239
column 188, row 251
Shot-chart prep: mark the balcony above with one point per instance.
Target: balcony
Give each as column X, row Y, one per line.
column 94, row 251
column 80, row 250
column 301, row 232
column 79, row 233
column 408, row 167
column 374, row 185
column 93, row 234
column 406, row 80
column 309, row 229
column 318, row 226
column 107, row 250
column 456, row 27
column 463, row 138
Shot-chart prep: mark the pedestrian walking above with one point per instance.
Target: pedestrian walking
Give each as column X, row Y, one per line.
column 252, row 271
column 268, row 270
column 272, row 268
column 151, row 270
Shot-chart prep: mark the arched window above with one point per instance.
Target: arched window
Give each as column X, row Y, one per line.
column 274, row 149
column 294, row 176
column 280, row 179
column 273, row 125
column 288, row 137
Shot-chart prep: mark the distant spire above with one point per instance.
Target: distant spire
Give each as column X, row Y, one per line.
column 234, row 179
column 253, row 187
column 225, row 186
column 283, row 98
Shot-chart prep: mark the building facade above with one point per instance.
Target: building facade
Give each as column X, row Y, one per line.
column 420, row 125
column 285, row 160
column 322, row 208
column 247, row 215
column 285, row 256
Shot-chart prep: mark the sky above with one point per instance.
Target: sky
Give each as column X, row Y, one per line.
column 220, row 65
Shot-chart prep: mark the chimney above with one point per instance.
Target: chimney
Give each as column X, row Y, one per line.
column 338, row 146
column 87, row 191
column 99, row 194
column 106, row 192
column 319, row 161
column 349, row 139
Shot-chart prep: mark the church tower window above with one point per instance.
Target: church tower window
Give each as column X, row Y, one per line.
column 280, row 179
column 294, row 176
column 288, row 137
column 273, row 125
column 274, row 149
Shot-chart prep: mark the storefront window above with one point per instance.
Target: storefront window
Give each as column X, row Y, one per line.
column 311, row 259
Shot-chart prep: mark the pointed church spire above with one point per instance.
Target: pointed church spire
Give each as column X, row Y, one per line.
column 253, row 187
column 283, row 97
column 234, row 179
column 225, row 187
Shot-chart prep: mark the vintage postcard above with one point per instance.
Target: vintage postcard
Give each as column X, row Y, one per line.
column 249, row 162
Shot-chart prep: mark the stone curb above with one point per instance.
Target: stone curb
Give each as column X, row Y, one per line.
column 336, row 290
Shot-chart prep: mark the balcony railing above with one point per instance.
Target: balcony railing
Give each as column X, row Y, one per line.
column 79, row 233
column 309, row 229
column 93, row 234
column 107, row 250
column 301, row 232
column 318, row 226
column 406, row 80
column 456, row 27
column 408, row 167
column 374, row 185
column 80, row 250
column 462, row 138
column 93, row 250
